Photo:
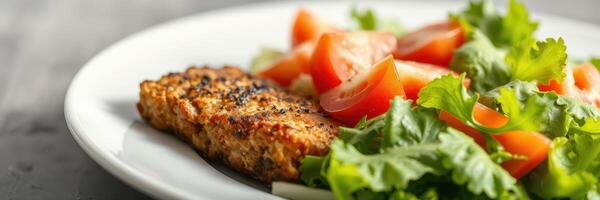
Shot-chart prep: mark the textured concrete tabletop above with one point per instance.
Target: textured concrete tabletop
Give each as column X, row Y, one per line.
column 42, row 45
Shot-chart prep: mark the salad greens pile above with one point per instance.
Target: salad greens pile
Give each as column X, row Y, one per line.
column 408, row 153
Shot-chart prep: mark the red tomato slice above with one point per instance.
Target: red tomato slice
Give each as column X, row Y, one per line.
column 432, row 44
column 582, row 83
column 483, row 115
column 338, row 57
column 368, row 94
column 587, row 79
column 416, row 75
column 531, row 144
column 288, row 68
column 308, row 27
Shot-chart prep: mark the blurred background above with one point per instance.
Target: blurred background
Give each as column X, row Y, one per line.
column 42, row 45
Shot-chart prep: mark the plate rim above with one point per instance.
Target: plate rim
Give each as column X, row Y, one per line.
column 151, row 186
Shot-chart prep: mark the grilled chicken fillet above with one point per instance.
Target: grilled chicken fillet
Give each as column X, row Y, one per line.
column 248, row 123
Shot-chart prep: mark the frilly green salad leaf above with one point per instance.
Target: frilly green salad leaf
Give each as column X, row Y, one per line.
column 472, row 166
column 483, row 63
column 349, row 170
column 563, row 177
column 366, row 19
column 572, row 169
column 504, row 31
column 560, row 115
column 405, row 126
column 449, row 94
column 415, row 147
column 490, row 67
column 542, row 61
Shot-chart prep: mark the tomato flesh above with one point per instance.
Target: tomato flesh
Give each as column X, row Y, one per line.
column 582, row 83
column 338, row 57
column 308, row 27
column 415, row 75
column 367, row 95
column 432, row 44
column 530, row 144
column 288, row 68
column 587, row 79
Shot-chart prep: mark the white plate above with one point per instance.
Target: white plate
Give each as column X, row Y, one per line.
column 100, row 104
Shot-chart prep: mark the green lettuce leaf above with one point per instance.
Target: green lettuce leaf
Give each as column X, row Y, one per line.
column 565, row 174
column 405, row 126
column 561, row 114
column 554, row 119
column 596, row 63
column 516, row 25
column 480, row 14
column 366, row 139
column 489, row 67
column 264, row 59
column 472, row 166
column 349, row 170
column 312, row 173
column 504, row 31
column 542, row 61
column 483, row 63
column 589, row 126
column 366, row 19
column 410, row 154
column 449, row 94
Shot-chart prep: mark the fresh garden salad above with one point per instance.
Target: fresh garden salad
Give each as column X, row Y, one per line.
column 474, row 107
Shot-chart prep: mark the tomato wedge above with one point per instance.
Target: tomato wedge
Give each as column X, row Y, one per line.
column 369, row 94
column 587, row 79
column 530, row 144
column 432, row 44
column 287, row 69
column 308, row 27
column 533, row 145
column 415, row 75
column 582, row 83
column 338, row 57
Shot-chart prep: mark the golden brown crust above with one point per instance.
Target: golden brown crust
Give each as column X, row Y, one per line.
column 249, row 123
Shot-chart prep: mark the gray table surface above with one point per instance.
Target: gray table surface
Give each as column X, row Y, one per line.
column 42, row 45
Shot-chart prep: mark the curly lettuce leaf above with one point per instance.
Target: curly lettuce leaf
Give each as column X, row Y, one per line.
column 589, row 126
column 366, row 138
column 542, row 61
column 516, row 25
column 350, row 171
column 565, row 174
column 554, row 119
column 312, row 173
column 405, row 126
column 366, row 19
column 472, row 166
column 480, row 14
column 449, row 94
column 416, row 157
column 483, row 63
column 504, row 31
column 561, row 114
